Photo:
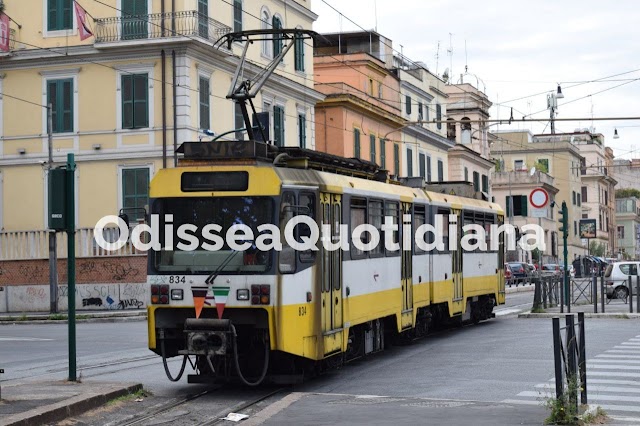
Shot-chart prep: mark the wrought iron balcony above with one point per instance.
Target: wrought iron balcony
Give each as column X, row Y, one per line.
column 159, row 25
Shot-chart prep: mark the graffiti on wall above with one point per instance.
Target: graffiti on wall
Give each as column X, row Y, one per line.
column 107, row 296
column 120, row 270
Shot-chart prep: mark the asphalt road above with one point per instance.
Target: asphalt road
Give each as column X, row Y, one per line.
column 492, row 361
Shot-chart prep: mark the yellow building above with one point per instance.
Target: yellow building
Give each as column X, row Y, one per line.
column 150, row 78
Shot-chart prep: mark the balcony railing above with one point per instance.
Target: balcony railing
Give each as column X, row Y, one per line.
column 159, row 25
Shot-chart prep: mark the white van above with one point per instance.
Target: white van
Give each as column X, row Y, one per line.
column 616, row 278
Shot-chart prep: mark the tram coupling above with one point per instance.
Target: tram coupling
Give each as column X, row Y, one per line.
column 207, row 336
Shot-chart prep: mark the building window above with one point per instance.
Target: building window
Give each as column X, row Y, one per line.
column 266, row 43
column 205, row 107
column 420, row 115
column 302, row 130
column 277, row 38
column 135, row 191
column 451, row 129
column 298, row 53
column 237, row 15
column 476, row 181
column 578, row 199
column 203, row 18
column 573, row 197
column 518, row 165
column 60, row 96
column 620, row 232
column 409, row 162
column 372, row 148
column 485, row 183
column 396, row 159
column 408, row 105
column 465, row 134
column 606, row 197
column 439, row 116
column 428, row 168
column 422, row 164
column 575, row 228
column 59, row 15
column 383, row 154
column 440, row 171
column 584, row 215
column 466, row 174
column 584, row 194
column 135, row 101
column 238, row 121
column 519, row 205
column 134, row 21
column 356, row 143
column 278, row 125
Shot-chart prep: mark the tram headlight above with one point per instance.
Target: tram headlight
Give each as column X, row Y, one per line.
column 177, row 294
column 242, row 294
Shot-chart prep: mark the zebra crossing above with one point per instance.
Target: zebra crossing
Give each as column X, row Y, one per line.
column 613, row 383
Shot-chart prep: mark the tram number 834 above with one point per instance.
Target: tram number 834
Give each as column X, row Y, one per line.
column 177, row 279
column 302, row 311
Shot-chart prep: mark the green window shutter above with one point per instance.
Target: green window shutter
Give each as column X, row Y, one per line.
column 508, row 208
column 299, row 53
column 203, row 18
column 127, row 101
column 396, row 159
column 59, row 15
column 277, row 39
column 205, row 111
column 67, row 15
column 60, row 96
column 409, row 162
column 383, row 156
column 302, row 130
column 428, row 169
column 356, row 143
column 237, row 15
column 439, row 116
column 372, row 148
column 523, row 200
column 135, row 101
column 52, row 15
column 440, row 171
column 278, row 126
column 134, row 19
column 422, row 165
column 135, row 190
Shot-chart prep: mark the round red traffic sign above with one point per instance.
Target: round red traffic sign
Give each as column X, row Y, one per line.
column 539, row 198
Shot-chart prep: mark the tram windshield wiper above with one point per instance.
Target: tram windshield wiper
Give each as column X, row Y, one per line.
column 211, row 278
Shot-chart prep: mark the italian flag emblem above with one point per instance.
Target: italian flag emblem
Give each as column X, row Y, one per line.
column 220, row 295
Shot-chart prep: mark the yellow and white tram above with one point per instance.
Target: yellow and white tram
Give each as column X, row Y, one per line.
column 277, row 315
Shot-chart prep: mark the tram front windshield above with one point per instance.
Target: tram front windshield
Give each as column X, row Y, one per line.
column 211, row 254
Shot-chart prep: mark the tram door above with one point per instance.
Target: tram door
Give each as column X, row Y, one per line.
column 332, row 276
column 456, row 271
column 407, row 274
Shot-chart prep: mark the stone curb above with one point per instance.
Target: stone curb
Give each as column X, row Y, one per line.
column 109, row 316
column 520, row 289
column 606, row 315
column 68, row 408
column 78, row 321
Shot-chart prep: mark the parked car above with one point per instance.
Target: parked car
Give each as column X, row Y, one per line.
column 520, row 272
column 551, row 269
column 616, row 278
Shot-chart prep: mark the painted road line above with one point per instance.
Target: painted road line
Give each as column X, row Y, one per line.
column 551, row 388
column 619, row 351
column 619, row 356
column 635, row 420
column 522, row 402
column 627, row 348
column 507, row 311
column 615, row 361
column 613, row 367
column 621, row 398
column 610, row 374
column 631, row 343
column 23, row 339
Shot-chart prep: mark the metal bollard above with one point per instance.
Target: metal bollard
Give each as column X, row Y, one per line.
column 1, row 372
column 638, row 294
column 594, row 294
column 602, row 294
column 582, row 359
column 572, row 365
column 557, row 358
column 630, row 296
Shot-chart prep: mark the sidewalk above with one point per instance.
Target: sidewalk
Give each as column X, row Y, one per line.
column 31, row 403
column 616, row 309
column 81, row 316
column 519, row 288
column 323, row 409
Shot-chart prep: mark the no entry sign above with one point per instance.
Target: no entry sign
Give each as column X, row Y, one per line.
column 539, row 198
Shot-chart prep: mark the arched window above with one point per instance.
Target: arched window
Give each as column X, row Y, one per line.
column 266, row 24
column 277, row 39
column 298, row 53
column 465, row 136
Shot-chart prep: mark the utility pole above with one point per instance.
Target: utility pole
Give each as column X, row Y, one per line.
column 53, row 243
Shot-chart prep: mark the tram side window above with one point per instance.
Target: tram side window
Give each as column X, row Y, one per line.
column 419, row 219
column 489, row 220
column 307, row 207
column 358, row 216
column 391, row 210
column 468, row 219
column 287, row 262
column 444, row 214
column 376, row 213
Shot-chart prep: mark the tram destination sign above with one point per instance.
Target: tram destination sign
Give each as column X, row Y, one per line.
column 218, row 150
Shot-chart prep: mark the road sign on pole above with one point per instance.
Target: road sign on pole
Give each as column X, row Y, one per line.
column 539, row 198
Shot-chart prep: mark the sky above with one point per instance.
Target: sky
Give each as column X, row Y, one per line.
column 520, row 49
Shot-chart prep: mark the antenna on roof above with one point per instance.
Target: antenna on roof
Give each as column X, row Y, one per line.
column 437, row 57
column 450, row 52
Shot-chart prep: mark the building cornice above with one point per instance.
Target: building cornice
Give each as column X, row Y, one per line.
column 438, row 91
column 410, row 86
column 426, row 135
column 354, row 102
column 307, row 13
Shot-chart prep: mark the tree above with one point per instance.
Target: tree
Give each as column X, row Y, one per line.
column 539, row 165
column 628, row 192
column 596, row 249
column 536, row 255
